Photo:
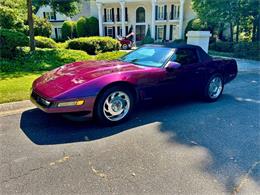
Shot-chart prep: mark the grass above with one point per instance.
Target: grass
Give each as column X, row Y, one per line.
column 17, row 75
column 218, row 53
column 16, row 88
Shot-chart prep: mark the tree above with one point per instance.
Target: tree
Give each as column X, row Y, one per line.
column 30, row 22
column 42, row 27
column 81, row 27
column 238, row 14
column 148, row 39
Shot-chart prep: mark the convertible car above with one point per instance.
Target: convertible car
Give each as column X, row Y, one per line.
column 109, row 90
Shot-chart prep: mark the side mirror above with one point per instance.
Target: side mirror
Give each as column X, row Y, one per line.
column 170, row 66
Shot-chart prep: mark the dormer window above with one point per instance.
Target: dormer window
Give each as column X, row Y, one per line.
column 49, row 15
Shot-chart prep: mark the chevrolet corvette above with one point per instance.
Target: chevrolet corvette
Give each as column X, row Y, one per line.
column 109, row 90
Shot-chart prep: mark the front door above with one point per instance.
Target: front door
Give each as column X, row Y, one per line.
column 140, row 32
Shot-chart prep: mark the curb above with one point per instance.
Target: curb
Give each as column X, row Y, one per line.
column 21, row 105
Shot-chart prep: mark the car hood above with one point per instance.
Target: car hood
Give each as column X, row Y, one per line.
column 66, row 77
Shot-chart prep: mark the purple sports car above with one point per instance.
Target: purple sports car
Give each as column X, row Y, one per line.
column 109, row 90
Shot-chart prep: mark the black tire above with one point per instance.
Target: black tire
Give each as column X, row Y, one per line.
column 99, row 111
column 206, row 91
column 125, row 47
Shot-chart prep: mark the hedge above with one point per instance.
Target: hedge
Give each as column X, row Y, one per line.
column 68, row 30
column 81, row 27
column 222, row 46
column 44, row 42
column 248, row 50
column 10, row 40
column 94, row 45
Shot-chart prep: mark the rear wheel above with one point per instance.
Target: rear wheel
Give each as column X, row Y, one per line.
column 213, row 88
column 114, row 105
column 124, row 46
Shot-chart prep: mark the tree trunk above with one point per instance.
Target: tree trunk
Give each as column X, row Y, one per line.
column 237, row 33
column 258, row 28
column 231, row 32
column 30, row 22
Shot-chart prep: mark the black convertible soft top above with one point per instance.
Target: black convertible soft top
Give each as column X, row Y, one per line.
column 203, row 55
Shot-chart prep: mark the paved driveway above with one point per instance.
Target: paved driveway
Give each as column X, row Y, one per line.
column 186, row 147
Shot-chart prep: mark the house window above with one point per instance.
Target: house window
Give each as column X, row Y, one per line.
column 160, row 33
column 175, row 12
column 49, row 15
column 109, row 14
column 160, row 12
column 140, row 15
column 110, row 31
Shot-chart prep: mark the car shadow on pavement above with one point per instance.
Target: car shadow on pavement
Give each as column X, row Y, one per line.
column 223, row 128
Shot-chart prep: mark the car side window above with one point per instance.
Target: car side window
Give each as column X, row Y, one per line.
column 186, row 56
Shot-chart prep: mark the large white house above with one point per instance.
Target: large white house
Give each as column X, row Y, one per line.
column 166, row 19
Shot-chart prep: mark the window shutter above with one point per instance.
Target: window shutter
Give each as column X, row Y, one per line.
column 113, row 15
column 118, row 15
column 126, row 14
column 118, row 30
column 155, row 32
column 172, row 10
column 56, row 33
column 126, row 30
column 114, row 31
column 156, row 12
column 171, row 32
column 105, row 14
column 105, row 31
column 164, row 33
column 44, row 14
column 165, row 12
column 55, row 16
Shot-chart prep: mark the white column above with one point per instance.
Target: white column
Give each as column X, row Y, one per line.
column 100, row 19
column 122, row 4
column 168, row 32
column 181, row 19
column 153, row 19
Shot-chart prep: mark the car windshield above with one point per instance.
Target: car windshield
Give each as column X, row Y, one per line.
column 149, row 56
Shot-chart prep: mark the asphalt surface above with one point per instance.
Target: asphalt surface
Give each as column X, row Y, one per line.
column 184, row 147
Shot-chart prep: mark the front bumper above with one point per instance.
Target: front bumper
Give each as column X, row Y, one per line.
column 42, row 103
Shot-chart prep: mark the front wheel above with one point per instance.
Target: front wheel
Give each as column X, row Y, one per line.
column 213, row 88
column 114, row 105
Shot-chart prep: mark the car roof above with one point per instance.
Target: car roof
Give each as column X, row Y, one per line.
column 173, row 45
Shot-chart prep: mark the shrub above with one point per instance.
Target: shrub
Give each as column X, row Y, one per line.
column 110, row 55
column 221, row 46
column 197, row 25
column 81, row 27
column 92, row 26
column 148, row 39
column 247, row 50
column 44, row 42
column 10, row 40
column 42, row 27
column 68, row 30
column 9, row 19
column 179, row 41
column 94, row 45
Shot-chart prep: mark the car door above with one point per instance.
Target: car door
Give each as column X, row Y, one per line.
column 185, row 79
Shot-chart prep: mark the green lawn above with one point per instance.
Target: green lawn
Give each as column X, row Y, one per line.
column 16, row 76
column 16, row 87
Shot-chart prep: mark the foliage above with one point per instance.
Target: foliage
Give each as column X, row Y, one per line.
column 44, row 42
column 197, row 25
column 42, row 60
column 222, row 46
column 42, row 27
column 244, row 15
column 94, row 45
column 81, row 27
column 148, row 39
column 110, row 55
column 179, row 41
column 68, row 30
column 247, row 50
column 9, row 18
column 9, row 41
column 68, row 7
column 92, row 25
